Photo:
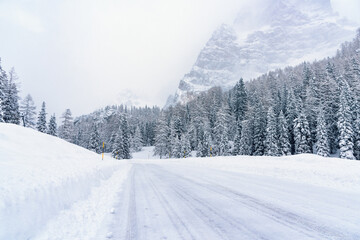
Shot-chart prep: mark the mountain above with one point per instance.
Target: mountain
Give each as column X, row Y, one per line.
column 279, row 34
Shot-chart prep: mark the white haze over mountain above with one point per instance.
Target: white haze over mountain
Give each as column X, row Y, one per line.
column 277, row 34
column 86, row 54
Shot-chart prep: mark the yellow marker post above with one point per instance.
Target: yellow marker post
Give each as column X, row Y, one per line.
column 103, row 151
column 210, row 151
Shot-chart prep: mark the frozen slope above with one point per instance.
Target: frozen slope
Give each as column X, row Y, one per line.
column 50, row 186
column 298, row 197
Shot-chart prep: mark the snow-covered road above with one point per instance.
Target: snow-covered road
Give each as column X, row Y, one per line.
column 178, row 201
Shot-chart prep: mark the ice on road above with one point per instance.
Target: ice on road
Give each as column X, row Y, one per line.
column 179, row 201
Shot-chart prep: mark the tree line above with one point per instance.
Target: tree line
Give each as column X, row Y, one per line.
column 309, row 108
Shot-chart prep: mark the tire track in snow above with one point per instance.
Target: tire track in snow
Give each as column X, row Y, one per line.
column 294, row 221
column 180, row 226
column 210, row 215
column 131, row 229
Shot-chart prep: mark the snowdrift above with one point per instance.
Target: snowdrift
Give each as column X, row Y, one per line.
column 41, row 175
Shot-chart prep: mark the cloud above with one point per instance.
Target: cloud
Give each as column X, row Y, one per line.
column 16, row 14
column 347, row 8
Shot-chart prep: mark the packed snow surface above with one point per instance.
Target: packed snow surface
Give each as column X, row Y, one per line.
column 51, row 189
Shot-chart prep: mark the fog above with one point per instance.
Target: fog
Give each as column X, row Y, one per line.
column 84, row 55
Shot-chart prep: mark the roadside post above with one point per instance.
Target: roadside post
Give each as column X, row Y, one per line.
column 103, row 151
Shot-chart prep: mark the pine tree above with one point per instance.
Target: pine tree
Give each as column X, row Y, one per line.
column 126, row 138
column 221, row 141
column 284, row 143
column 28, row 112
column 52, row 127
column 272, row 140
column 3, row 86
column 11, row 113
column 185, row 144
column 246, row 145
column 357, row 136
column 355, row 83
column 118, row 148
column 95, row 143
column 112, row 140
column 206, row 149
column 237, row 140
column 136, row 141
column 292, row 112
column 302, row 134
column 345, row 128
column 176, row 148
column 322, row 139
column 259, row 129
column 66, row 129
column 162, row 139
column 41, row 123
column 240, row 101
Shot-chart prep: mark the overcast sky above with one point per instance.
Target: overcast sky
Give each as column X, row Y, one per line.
column 87, row 54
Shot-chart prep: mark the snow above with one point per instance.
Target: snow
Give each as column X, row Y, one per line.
column 240, row 198
column 43, row 178
column 145, row 153
column 51, row 189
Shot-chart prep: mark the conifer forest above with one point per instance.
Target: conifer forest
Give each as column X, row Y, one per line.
column 310, row 108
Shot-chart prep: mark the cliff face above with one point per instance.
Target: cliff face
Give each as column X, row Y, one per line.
column 282, row 33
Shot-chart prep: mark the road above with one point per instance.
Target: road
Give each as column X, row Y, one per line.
column 174, row 201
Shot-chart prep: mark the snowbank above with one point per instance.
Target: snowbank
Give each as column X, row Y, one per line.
column 40, row 176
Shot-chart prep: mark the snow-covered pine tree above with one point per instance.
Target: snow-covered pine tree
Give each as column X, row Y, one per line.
column 136, row 141
column 126, row 138
column 330, row 100
column 292, row 112
column 272, row 139
column 41, row 122
column 207, row 148
column 185, row 144
column 112, row 140
column 95, row 143
column 345, row 128
column 237, row 140
column 259, row 129
column 52, row 127
column 284, row 143
column 302, row 134
column 322, row 139
column 11, row 113
column 162, row 138
column 357, row 136
column 66, row 129
column 176, row 148
column 239, row 102
column 118, row 147
column 3, row 86
column 28, row 111
column 221, row 141
column 246, row 145
column 355, row 84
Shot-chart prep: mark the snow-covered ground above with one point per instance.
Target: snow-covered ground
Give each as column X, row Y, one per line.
column 51, row 189
column 49, row 186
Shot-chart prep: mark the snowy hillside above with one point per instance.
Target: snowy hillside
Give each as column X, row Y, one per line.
column 282, row 33
column 42, row 177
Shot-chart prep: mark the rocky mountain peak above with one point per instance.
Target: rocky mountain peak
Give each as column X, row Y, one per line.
column 274, row 35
